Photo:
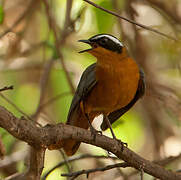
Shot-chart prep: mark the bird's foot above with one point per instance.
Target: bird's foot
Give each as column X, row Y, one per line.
column 94, row 132
column 123, row 144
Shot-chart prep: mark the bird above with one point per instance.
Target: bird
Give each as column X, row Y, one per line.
column 110, row 87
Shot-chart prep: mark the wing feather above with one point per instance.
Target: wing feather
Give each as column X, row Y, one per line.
column 87, row 82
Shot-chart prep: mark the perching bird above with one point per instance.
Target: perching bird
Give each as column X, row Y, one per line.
column 111, row 86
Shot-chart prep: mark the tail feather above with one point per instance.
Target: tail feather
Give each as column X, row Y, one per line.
column 77, row 118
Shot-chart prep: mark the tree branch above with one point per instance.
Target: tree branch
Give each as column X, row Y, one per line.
column 75, row 158
column 131, row 21
column 41, row 138
column 36, row 164
column 88, row 171
column 6, row 88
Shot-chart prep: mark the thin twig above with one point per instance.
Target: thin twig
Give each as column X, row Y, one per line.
column 69, row 168
column 75, row 158
column 13, row 176
column 130, row 21
column 16, row 107
column 162, row 162
column 6, row 88
column 43, row 83
column 168, row 160
column 119, row 170
column 51, row 100
column 88, row 171
column 57, row 44
column 67, row 16
column 65, row 32
column 141, row 173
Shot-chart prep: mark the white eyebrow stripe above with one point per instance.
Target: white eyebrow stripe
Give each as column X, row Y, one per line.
column 110, row 37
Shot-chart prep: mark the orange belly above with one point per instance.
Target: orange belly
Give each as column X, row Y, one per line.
column 116, row 87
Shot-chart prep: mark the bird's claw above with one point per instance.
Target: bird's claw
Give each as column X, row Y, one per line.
column 123, row 144
column 94, row 132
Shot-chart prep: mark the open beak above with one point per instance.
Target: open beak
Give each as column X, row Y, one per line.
column 87, row 42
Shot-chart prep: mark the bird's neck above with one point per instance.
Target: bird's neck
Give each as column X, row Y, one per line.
column 114, row 62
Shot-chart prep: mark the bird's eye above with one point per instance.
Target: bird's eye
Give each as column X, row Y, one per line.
column 103, row 41
column 94, row 45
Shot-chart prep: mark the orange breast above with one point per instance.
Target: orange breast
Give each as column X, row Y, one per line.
column 116, row 87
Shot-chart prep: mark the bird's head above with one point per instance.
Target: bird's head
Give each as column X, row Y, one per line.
column 104, row 45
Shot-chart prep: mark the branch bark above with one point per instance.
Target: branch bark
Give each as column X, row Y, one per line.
column 43, row 137
column 36, row 164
